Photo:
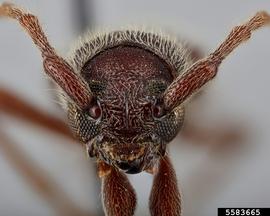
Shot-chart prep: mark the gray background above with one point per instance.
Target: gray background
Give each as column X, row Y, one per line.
column 209, row 176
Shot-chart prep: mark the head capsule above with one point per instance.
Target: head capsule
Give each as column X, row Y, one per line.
column 127, row 71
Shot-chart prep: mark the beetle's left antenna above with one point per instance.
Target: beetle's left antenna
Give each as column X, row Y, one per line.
column 202, row 71
column 55, row 66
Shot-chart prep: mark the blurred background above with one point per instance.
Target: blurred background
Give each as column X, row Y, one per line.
column 224, row 164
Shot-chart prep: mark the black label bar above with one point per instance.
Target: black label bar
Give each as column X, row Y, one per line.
column 243, row 211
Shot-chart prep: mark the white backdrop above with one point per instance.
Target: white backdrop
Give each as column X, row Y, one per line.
column 210, row 177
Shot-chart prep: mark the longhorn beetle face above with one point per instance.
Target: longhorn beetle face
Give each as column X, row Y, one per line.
column 124, row 93
column 124, row 90
column 127, row 124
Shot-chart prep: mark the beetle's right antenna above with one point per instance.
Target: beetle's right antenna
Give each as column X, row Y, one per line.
column 206, row 69
column 55, row 66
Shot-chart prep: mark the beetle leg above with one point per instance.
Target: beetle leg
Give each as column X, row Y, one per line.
column 119, row 198
column 39, row 179
column 220, row 136
column 55, row 66
column 206, row 69
column 12, row 105
column 165, row 197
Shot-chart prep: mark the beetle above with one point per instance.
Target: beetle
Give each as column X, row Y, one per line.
column 124, row 93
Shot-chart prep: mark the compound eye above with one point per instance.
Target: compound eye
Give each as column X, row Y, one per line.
column 157, row 110
column 95, row 111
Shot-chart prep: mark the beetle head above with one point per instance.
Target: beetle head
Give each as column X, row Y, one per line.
column 126, row 124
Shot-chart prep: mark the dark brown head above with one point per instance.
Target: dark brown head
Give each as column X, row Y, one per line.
column 125, row 90
column 126, row 124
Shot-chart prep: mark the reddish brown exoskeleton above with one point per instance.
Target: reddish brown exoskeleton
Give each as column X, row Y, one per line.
column 124, row 94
